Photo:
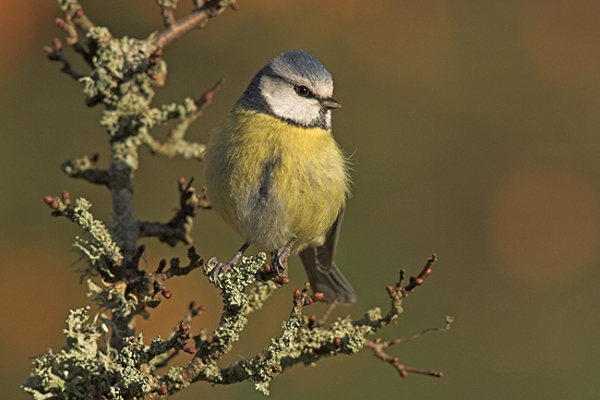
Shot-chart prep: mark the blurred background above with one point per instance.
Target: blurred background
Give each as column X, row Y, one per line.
column 474, row 132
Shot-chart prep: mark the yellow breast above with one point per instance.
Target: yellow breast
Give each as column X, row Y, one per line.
column 275, row 182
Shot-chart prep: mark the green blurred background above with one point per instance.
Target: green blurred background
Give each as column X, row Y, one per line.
column 474, row 132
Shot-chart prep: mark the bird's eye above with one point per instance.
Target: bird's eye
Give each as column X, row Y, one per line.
column 302, row 91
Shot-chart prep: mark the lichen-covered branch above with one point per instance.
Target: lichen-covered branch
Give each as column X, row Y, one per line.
column 301, row 341
column 98, row 245
column 133, row 291
column 106, row 357
column 176, row 145
column 298, row 343
column 84, row 370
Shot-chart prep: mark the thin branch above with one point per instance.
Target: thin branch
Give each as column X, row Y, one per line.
column 398, row 292
column 148, row 284
column 176, row 145
column 168, row 16
column 157, row 74
column 418, row 280
column 165, row 359
column 402, row 369
column 327, row 313
column 197, row 19
column 85, row 168
column 267, row 364
column 74, row 14
column 74, row 23
column 55, row 53
column 178, row 229
column 204, row 101
column 449, row 321
column 101, row 250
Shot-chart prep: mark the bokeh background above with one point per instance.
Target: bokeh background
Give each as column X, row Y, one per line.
column 474, row 129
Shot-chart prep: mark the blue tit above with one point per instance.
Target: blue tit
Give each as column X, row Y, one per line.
column 276, row 175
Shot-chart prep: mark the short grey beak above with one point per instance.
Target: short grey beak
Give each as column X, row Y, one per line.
column 329, row 103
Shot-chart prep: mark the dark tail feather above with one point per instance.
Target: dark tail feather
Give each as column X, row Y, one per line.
column 326, row 279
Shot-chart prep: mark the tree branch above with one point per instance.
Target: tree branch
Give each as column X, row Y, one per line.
column 197, row 19
column 178, row 229
column 55, row 53
column 176, row 145
column 85, row 168
column 106, row 357
column 378, row 346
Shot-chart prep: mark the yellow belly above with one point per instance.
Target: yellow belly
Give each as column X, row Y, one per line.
column 274, row 182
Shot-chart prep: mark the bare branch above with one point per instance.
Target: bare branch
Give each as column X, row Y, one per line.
column 402, row 369
column 197, row 19
column 55, row 54
column 178, row 229
column 378, row 346
column 75, row 22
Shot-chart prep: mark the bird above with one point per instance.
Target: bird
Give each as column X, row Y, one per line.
column 276, row 175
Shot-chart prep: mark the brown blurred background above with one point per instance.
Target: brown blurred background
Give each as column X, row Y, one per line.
column 474, row 128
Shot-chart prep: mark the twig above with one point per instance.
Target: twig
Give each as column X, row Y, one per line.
column 74, row 15
column 197, row 19
column 155, row 282
column 85, row 168
column 449, row 321
column 191, row 312
column 301, row 298
column 55, row 53
column 168, row 16
column 176, row 145
column 101, row 249
column 179, row 227
column 398, row 292
column 377, row 346
column 418, row 280
column 75, row 20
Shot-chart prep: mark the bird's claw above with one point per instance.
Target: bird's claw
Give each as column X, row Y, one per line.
column 280, row 257
column 220, row 268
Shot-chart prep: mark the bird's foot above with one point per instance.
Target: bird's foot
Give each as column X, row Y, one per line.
column 279, row 257
column 220, row 268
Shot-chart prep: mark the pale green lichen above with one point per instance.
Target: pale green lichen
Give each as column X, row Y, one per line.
column 167, row 3
column 66, row 4
column 117, row 299
column 260, row 293
column 75, row 371
column 233, row 284
column 83, row 370
column 298, row 344
column 97, row 246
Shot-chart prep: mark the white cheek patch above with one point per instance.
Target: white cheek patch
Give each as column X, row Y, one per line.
column 285, row 103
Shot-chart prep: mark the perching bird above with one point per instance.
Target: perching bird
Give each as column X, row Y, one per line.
column 275, row 173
